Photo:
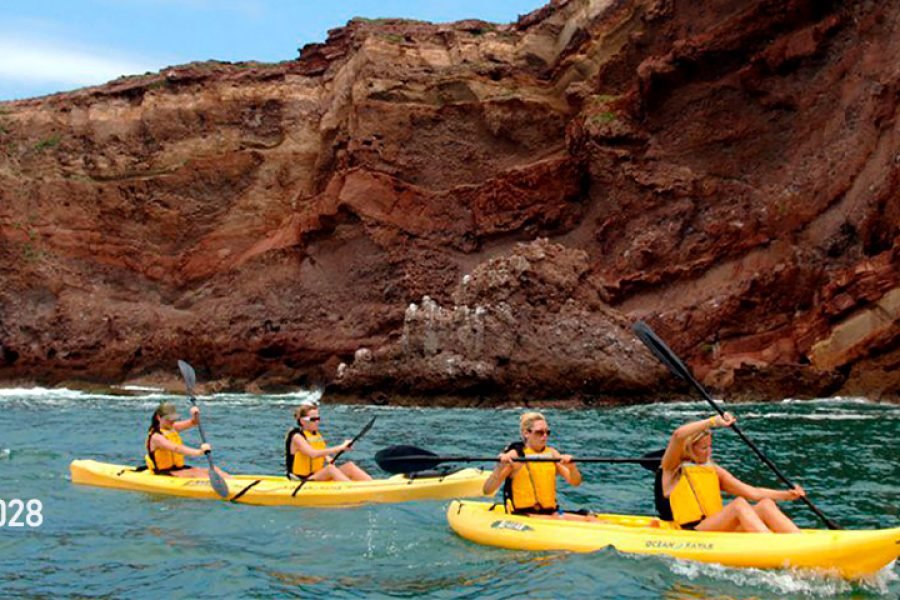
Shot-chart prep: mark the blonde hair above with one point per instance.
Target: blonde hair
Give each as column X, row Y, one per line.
column 528, row 419
column 687, row 449
column 303, row 410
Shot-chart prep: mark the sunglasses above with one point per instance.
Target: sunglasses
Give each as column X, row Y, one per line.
column 539, row 431
column 313, row 419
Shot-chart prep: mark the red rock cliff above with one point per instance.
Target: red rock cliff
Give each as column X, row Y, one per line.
column 729, row 172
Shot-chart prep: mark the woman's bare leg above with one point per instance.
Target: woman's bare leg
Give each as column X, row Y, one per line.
column 198, row 473
column 329, row 473
column 772, row 516
column 737, row 513
column 354, row 472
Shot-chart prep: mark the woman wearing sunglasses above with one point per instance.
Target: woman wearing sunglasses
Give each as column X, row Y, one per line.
column 166, row 451
column 306, row 455
column 530, row 487
column 689, row 486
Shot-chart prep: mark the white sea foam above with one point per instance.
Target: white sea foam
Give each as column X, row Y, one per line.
column 846, row 416
column 138, row 388
column 782, row 582
column 5, row 452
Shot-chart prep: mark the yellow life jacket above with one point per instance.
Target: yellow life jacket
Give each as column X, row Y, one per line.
column 162, row 459
column 697, row 495
column 534, row 485
column 303, row 465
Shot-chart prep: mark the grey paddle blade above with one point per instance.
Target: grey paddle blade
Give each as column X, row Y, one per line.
column 216, row 480
column 190, row 378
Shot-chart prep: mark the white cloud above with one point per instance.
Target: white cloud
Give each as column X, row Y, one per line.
column 37, row 61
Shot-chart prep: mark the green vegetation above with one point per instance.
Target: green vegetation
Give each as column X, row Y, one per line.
column 604, row 98
column 394, row 38
column 50, row 142
column 32, row 254
column 483, row 29
column 604, row 117
column 378, row 20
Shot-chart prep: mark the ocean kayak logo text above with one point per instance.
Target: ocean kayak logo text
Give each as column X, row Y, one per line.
column 510, row 525
column 669, row 545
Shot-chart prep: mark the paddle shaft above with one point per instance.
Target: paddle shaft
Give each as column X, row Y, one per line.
column 208, row 453
column 358, row 435
column 541, row 459
column 665, row 354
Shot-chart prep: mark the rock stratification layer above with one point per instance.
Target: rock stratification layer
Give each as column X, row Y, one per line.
column 730, row 173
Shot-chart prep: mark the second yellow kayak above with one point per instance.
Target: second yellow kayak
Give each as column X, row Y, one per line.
column 850, row 554
column 270, row 490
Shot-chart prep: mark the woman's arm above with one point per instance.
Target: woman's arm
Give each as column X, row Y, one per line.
column 158, row 440
column 736, row 487
column 674, row 454
column 567, row 468
column 300, row 444
column 504, row 469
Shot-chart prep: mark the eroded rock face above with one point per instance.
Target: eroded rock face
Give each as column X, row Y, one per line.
column 516, row 323
column 729, row 173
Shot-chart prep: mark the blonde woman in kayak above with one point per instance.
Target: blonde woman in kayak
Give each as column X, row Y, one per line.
column 166, row 451
column 689, row 487
column 308, row 457
column 530, row 488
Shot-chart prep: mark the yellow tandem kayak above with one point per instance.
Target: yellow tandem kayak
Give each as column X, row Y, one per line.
column 850, row 554
column 271, row 490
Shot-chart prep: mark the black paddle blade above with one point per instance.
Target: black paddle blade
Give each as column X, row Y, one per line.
column 406, row 459
column 659, row 349
column 190, row 378
column 652, row 460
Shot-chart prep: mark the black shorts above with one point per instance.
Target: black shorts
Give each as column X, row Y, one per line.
column 692, row 525
column 536, row 510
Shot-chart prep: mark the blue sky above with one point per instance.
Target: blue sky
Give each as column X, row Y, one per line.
column 49, row 46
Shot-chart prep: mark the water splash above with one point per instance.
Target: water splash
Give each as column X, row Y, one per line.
column 782, row 582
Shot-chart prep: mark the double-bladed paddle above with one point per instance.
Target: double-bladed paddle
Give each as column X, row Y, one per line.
column 336, row 456
column 665, row 355
column 190, row 380
column 409, row 459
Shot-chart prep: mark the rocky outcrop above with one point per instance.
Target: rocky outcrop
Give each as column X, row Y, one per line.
column 516, row 323
column 728, row 173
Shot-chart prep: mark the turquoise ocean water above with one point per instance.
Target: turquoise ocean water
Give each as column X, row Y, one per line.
column 106, row 543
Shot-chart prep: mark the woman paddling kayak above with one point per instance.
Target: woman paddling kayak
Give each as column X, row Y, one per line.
column 165, row 450
column 530, row 488
column 688, row 487
column 306, row 456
